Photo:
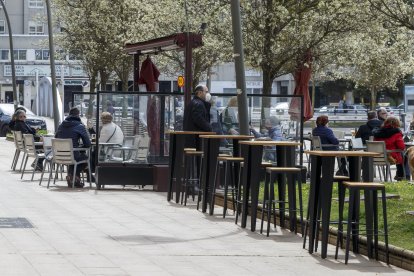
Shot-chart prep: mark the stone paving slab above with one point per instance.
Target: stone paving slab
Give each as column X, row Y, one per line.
column 131, row 232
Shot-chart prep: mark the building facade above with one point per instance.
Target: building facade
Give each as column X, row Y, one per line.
column 28, row 20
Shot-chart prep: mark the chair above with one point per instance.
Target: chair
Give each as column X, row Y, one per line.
column 48, row 151
column 317, row 145
column 63, row 155
column 126, row 152
column 19, row 144
column 381, row 161
column 127, row 126
column 30, row 150
column 356, row 144
column 143, row 148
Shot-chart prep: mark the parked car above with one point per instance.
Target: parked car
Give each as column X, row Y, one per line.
column 356, row 108
column 326, row 109
column 6, row 113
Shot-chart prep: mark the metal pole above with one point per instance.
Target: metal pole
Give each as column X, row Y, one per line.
column 239, row 64
column 15, row 96
column 37, row 92
column 52, row 66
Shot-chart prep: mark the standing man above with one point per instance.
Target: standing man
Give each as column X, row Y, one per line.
column 365, row 131
column 197, row 113
column 73, row 128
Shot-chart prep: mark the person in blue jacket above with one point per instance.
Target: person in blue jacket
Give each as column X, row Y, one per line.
column 329, row 140
column 274, row 132
column 73, row 128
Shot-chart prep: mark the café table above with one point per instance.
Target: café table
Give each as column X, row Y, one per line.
column 252, row 153
column 321, row 184
column 176, row 158
column 211, row 146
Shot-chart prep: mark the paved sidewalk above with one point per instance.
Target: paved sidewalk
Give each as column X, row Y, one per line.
column 131, row 232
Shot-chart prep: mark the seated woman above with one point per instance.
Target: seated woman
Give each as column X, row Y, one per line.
column 328, row 138
column 110, row 132
column 21, row 125
column 391, row 134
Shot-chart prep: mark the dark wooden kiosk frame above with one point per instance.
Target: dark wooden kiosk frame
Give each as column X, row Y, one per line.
column 178, row 42
column 149, row 174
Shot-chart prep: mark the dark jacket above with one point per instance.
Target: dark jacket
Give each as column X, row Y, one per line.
column 73, row 128
column 197, row 115
column 393, row 139
column 23, row 127
column 327, row 137
column 365, row 131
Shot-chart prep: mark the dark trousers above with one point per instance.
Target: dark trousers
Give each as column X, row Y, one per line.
column 80, row 167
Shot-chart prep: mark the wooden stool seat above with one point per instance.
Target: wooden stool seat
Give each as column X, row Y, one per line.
column 230, row 158
column 198, row 153
column 264, row 164
column 341, row 178
column 363, row 184
column 283, row 169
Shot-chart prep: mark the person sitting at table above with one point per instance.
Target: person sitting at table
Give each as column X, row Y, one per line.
column 72, row 128
column 14, row 117
column 110, row 132
column 391, row 134
column 328, row 140
column 229, row 117
column 21, row 125
column 274, row 132
column 365, row 131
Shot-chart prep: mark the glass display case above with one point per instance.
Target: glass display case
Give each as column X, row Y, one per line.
column 144, row 120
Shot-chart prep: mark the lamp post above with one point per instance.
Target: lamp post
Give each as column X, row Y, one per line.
column 15, row 96
column 52, row 66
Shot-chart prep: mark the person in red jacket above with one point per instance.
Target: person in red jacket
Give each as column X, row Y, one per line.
column 391, row 134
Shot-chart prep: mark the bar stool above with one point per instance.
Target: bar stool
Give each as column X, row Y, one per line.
column 229, row 166
column 191, row 176
column 371, row 207
column 239, row 189
column 341, row 194
column 269, row 201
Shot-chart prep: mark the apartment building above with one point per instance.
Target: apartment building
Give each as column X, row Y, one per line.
column 28, row 20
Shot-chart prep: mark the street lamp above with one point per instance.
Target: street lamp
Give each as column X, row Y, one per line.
column 15, row 96
column 52, row 66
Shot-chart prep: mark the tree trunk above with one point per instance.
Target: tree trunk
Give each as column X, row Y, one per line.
column 373, row 97
column 92, row 86
column 267, row 90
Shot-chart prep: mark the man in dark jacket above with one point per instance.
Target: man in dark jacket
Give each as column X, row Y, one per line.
column 197, row 113
column 73, row 128
column 365, row 131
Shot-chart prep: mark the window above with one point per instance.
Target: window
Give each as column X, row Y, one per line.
column 35, row 28
column 36, row 4
column 42, row 54
column 19, row 54
column 2, row 26
column 4, row 54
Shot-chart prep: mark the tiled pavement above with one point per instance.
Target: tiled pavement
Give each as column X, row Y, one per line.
column 132, row 232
